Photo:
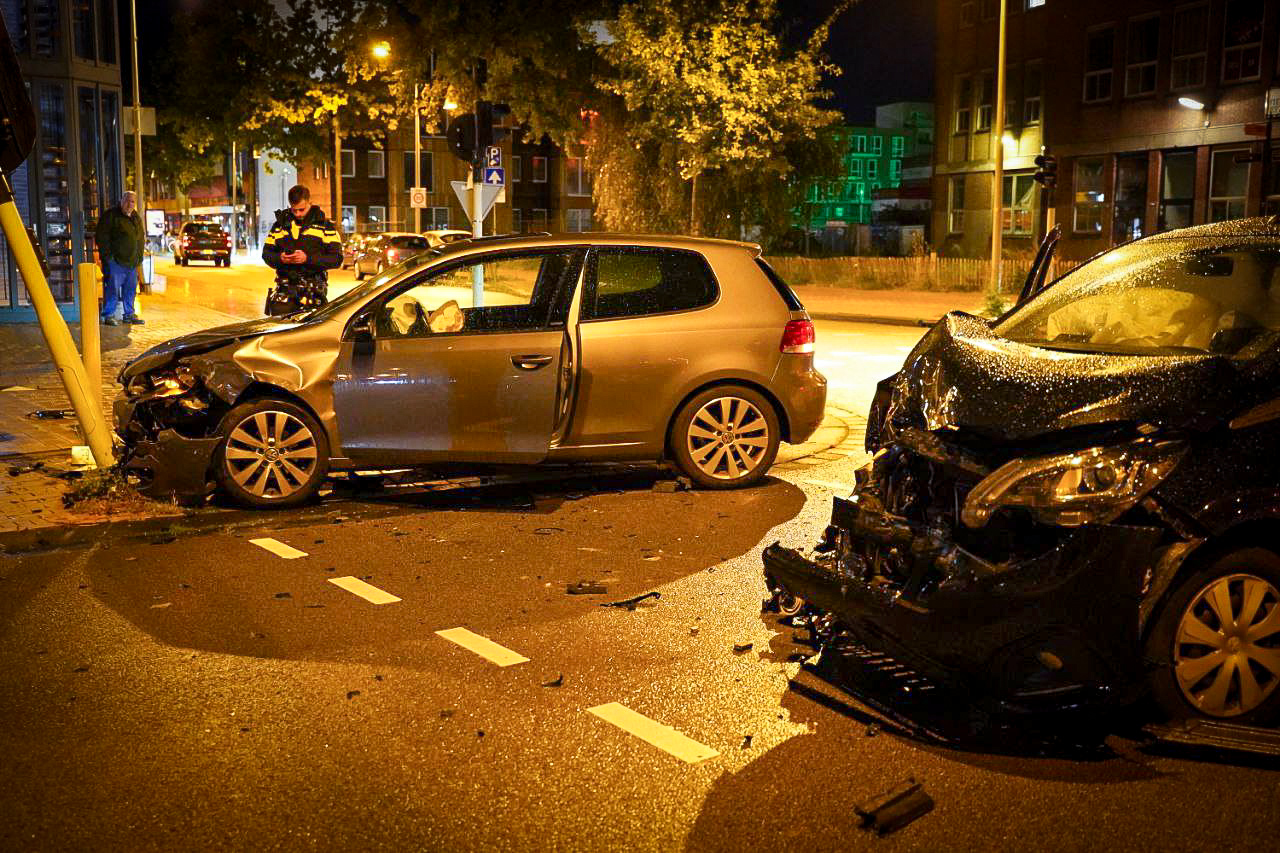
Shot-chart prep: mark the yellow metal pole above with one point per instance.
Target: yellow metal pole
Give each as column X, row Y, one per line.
column 90, row 333
column 997, row 175
column 56, row 334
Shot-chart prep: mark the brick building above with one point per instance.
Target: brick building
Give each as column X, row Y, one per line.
column 1104, row 86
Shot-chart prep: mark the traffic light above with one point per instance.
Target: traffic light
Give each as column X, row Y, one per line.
column 1046, row 171
column 468, row 135
column 487, row 114
column 461, row 136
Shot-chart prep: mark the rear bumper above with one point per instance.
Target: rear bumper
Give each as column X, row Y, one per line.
column 802, row 390
column 1057, row 629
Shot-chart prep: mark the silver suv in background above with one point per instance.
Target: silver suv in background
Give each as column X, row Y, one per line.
column 534, row 350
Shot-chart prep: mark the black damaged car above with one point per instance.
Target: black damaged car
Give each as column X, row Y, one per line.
column 1078, row 504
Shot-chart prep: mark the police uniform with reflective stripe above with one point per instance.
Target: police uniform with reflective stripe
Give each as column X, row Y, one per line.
column 313, row 234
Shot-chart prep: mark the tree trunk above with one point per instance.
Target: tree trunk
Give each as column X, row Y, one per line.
column 695, row 212
column 337, row 174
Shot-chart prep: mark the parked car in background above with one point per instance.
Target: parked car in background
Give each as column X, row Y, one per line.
column 1078, row 503
column 202, row 241
column 382, row 251
column 482, row 353
column 351, row 248
column 444, row 236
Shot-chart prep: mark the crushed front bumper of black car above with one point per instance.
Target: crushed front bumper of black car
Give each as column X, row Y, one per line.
column 1052, row 629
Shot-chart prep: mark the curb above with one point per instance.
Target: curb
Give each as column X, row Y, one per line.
column 873, row 318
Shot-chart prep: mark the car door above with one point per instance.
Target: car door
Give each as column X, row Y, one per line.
column 461, row 364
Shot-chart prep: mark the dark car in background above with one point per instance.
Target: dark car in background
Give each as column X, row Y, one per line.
column 202, row 241
column 508, row 351
column 382, row 251
column 1079, row 503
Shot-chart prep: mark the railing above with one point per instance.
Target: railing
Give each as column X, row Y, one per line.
column 927, row 272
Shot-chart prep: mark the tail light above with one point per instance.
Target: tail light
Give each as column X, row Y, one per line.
column 186, row 241
column 798, row 337
column 392, row 254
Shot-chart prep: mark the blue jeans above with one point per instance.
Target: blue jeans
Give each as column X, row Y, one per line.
column 120, row 284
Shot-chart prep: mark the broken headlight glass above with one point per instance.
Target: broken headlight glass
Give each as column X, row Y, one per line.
column 167, row 383
column 1093, row 486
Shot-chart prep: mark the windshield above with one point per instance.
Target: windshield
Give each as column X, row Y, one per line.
column 1192, row 294
column 367, row 288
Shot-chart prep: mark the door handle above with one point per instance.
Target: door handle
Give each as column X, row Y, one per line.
column 530, row 362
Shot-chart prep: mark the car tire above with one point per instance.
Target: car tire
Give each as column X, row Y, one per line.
column 1216, row 642
column 359, row 273
column 182, row 262
column 725, row 437
column 263, row 460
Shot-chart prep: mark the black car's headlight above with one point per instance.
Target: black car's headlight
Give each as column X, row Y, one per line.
column 1092, row 486
column 164, row 383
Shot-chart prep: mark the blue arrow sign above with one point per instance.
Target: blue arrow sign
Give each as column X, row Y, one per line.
column 498, row 177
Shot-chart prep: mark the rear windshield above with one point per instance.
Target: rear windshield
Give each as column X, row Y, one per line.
column 784, row 290
column 203, row 228
column 409, row 242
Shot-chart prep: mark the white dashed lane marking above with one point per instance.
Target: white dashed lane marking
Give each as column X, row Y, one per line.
column 275, row 546
column 484, row 647
column 654, row 733
column 367, row 591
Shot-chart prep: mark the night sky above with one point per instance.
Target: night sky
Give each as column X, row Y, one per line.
column 885, row 48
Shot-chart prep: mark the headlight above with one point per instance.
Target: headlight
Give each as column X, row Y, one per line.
column 1090, row 486
column 171, row 383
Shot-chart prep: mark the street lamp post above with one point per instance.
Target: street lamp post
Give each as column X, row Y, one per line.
column 417, row 154
column 997, row 134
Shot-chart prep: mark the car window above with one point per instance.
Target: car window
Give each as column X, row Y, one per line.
column 1170, row 295
column 629, row 282
column 516, row 294
column 409, row 242
column 202, row 229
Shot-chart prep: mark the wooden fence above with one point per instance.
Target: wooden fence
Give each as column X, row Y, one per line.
column 928, row 272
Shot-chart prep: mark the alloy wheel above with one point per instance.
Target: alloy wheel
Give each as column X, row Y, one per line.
column 271, row 454
column 1226, row 652
column 728, row 438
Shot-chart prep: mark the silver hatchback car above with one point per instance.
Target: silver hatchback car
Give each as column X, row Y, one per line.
column 569, row 349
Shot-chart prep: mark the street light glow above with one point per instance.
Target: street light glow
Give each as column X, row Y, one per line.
column 1191, row 103
column 450, row 104
column 381, row 50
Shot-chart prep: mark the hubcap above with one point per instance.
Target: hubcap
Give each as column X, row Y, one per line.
column 271, row 454
column 727, row 438
column 1226, row 654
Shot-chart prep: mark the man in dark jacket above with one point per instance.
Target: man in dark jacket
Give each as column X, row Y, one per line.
column 302, row 240
column 120, row 240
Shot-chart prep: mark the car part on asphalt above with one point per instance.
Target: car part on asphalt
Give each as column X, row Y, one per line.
column 512, row 351
column 586, row 588
column 631, row 603
column 1069, row 509
column 895, row 808
column 1219, row 736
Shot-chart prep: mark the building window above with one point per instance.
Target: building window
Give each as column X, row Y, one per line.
column 320, row 172
column 1032, row 83
column 439, row 217
column 1099, row 64
column 107, row 32
column 377, row 217
column 577, row 220
column 1019, row 199
column 1190, row 47
column 348, row 163
column 1242, row 41
column 968, row 13
column 515, row 168
column 895, row 171
column 1140, row 64
column 1228, row 183
column 516, row 226
column 538, row 219
column 955, row 206
column 575, row 177
column 1090, row 196
column 964, row 102
column 377, row 163
column 899, row 146
column 1129, row 219
column 424, row 167
column 986, row 95
column 84, row 29
column 1034, row 4
column 873, row 168
column 877, row 145
column 860, row 144
column 348, row 218
column 855, row 168
column 1177, row 189
column 539, row 170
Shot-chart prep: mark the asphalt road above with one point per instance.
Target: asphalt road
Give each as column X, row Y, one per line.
column 211, row 692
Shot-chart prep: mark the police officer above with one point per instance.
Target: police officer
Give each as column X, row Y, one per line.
column 303, row 245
